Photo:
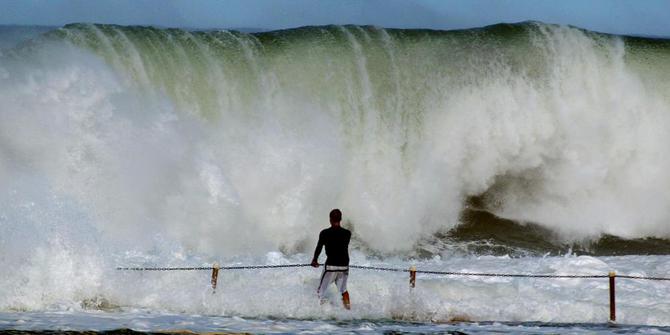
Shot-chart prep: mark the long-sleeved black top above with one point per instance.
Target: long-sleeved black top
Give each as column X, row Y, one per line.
column 336, row 240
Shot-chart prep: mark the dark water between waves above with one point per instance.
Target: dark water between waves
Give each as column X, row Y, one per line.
column 484, row 233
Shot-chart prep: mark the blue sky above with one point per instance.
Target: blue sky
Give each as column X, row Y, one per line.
column 638, row 17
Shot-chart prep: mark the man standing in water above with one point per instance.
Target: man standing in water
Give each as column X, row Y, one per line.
column 336, row 239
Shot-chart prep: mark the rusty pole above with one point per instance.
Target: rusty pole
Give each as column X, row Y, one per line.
column 215, row 276
column 612, row 275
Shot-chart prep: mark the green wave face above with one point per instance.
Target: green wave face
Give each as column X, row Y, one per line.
column 390, row 75
column 359, row 69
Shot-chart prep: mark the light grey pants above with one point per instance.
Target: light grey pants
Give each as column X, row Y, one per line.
column 331, row 273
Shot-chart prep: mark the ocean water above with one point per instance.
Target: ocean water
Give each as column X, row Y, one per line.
column 526, row 148
column 141, row 321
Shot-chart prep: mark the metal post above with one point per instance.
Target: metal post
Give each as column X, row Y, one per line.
column 612, row 275
column 215, row 276
column 412, row 276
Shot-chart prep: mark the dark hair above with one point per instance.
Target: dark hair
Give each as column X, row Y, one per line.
column 335, row 215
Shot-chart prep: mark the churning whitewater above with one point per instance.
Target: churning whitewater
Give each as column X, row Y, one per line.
column 124, row 146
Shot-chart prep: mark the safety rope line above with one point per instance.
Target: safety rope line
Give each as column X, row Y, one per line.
column 207, row 268
column 376, row 268
column 514, row 275
column 642, row 277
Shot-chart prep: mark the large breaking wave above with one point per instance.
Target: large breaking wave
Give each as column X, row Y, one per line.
column 222, row 139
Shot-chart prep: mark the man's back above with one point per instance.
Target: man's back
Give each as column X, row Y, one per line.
column 336, row 240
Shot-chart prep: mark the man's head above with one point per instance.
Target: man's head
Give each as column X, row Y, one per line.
column 335, row 217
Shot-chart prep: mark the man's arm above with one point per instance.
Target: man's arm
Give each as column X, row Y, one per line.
column 317, row 252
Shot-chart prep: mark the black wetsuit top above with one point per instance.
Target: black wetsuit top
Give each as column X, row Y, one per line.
column 336, row 241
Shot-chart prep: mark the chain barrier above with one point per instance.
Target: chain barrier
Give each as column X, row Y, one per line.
column 376, row 268
column 512, row 275
column 642, row 277
column 207, row 268
column 412, row 275
column 165, row 268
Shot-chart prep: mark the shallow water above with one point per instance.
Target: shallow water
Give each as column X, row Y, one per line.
column 283, row 300
column 146, row 321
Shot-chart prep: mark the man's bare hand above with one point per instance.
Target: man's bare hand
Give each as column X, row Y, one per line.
column 315, row 263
